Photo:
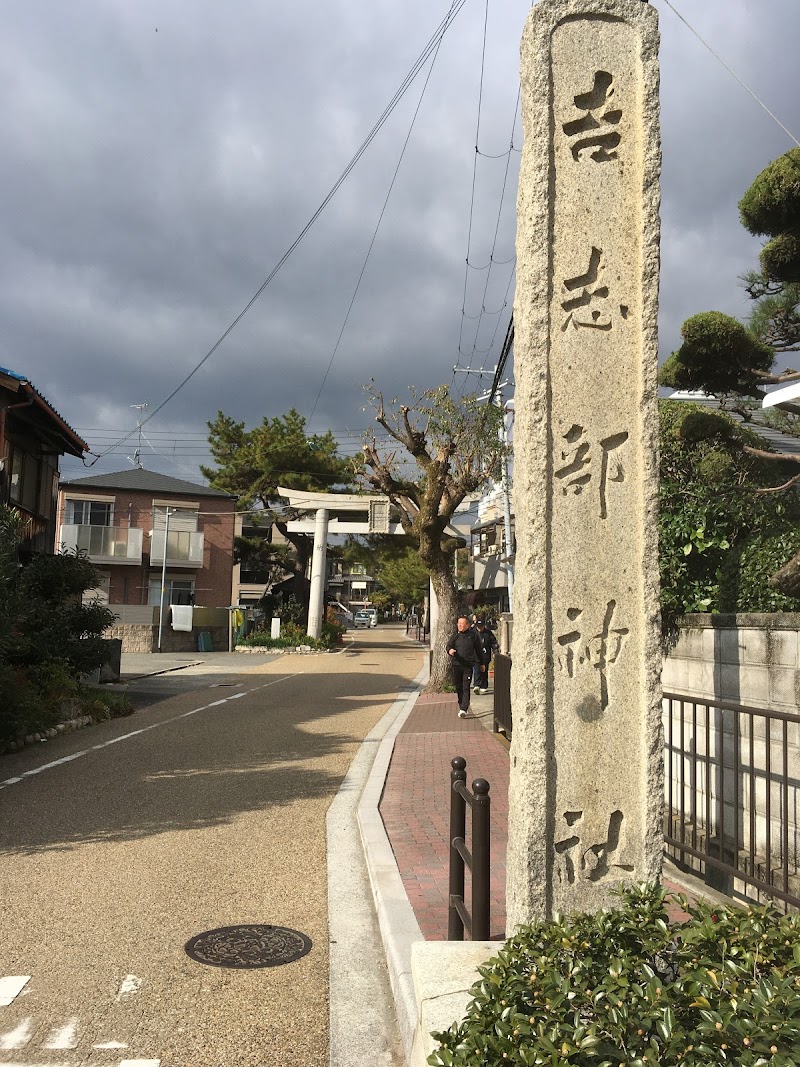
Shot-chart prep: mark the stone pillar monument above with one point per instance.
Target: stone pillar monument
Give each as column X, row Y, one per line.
column 586, row 757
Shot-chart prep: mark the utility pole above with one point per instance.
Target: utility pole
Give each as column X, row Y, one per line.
column 496, row 397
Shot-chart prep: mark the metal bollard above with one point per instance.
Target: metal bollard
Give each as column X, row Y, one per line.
column 481, row 851
column 458, row 828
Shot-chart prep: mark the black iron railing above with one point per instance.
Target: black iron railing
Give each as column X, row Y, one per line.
column 502, row 694
column 459, row 919
column 732, row 794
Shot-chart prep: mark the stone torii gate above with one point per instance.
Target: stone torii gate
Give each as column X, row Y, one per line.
column 321, row 514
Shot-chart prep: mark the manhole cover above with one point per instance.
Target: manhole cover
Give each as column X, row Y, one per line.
column 252, row 945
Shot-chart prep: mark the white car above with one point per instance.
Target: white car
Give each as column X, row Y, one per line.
column 373, row 615
column 362, row 618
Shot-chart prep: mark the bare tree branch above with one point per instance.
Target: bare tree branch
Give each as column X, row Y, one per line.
column 779, row 488
column 781, row 457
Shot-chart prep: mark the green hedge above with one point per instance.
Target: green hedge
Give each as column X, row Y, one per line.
column 625, row 988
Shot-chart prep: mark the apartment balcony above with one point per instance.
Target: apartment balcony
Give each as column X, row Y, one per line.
column 184, row 549
column 103, row 544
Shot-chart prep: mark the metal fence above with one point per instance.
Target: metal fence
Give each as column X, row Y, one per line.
column 732, row 788
column 502, row 694
column 478, row 861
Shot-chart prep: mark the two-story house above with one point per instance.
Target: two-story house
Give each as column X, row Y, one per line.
column 33, row 437
column 129, row 521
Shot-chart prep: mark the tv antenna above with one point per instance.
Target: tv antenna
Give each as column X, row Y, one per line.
column 136, row 458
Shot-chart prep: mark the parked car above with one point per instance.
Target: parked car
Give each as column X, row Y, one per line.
column 362, row 618
column 373, row 615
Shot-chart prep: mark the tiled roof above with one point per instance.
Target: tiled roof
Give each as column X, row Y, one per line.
column 79, row 446
column 138, row 479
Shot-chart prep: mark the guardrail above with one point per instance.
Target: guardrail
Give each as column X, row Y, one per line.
column 459, row 919
column 732, row 793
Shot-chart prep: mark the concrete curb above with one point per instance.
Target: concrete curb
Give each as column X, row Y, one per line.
column 398, row 925
column 362, row 1008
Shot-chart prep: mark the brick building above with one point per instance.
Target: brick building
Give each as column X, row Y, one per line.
column 120, row 520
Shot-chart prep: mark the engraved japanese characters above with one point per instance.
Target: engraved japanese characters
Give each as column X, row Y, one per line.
column 584, row 796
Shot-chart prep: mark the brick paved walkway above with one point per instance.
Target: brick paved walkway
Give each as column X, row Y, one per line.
column 416, row 806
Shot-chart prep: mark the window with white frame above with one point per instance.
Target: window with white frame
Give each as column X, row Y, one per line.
column 176, row 591
column 89, row 513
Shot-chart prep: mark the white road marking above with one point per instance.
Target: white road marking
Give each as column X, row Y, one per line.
column 65, row 1036
column 130, row 985
column 139, row 1063
column 110, row 1045
column 19, row 1036
column 12, row 984
column 135, row 733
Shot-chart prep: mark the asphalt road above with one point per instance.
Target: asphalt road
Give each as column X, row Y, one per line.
column 202, row 810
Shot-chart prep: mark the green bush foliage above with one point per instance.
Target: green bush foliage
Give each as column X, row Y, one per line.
column 293, row 635
column 625, row 987
column 718, row 354
column 780, row 258
column 772, row 203
column 48, row 637
column 718, row 538
column 744, row 578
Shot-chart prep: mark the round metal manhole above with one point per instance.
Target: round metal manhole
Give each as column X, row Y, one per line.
column 249, row 945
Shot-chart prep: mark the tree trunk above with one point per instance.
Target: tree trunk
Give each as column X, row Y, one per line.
column 787, row 579
column 447, row 597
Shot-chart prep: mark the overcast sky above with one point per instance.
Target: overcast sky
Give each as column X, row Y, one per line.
column 159, row 158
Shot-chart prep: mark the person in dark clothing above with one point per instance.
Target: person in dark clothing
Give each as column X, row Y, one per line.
column 464, row 651
column 488, row 645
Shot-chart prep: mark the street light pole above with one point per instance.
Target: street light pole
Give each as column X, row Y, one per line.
column 163, row 579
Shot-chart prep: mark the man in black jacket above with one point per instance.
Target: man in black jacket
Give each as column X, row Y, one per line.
column 488, row 646
column 464, row 650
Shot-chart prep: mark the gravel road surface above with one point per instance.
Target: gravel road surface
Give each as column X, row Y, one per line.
column 204, row 809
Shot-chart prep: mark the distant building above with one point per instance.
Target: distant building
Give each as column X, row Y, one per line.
column 349, row 584
column 489, row 553
column 33, row 437
column 120, row 521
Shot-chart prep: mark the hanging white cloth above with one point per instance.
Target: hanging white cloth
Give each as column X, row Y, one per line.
column 181, row 616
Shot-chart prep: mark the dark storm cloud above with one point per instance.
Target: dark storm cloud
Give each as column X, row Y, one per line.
column 158, row 159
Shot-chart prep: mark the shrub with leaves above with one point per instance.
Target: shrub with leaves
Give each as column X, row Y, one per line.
column 291, row 636
column 625, row 987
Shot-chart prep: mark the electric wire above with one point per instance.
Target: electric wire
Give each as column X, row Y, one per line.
column 401, row 91
column 450, row 16
column 474, row 178
column 501, row 363
column 494, row 244
column 732, row 72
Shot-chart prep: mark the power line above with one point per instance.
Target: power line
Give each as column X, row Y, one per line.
column 455, row 8
column 499, row 311
column 474, row 177
column 732, row 72
column 399, row 94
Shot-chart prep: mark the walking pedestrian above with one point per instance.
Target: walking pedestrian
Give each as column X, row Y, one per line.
column 488, row 647
column 464, row 651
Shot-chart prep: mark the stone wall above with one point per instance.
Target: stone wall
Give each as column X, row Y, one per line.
column 749, row 660
column 141, row 636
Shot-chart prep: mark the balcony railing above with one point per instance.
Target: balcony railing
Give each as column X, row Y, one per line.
column 103, row 544
column 184, row 548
